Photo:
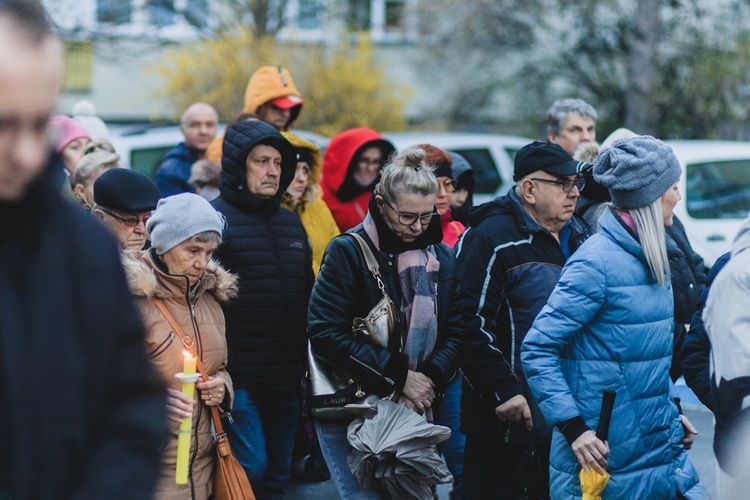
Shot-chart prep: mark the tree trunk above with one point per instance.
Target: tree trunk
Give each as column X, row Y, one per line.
column 639, row 107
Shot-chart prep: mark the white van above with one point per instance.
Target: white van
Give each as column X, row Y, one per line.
column 715, row 188
column 490, row 156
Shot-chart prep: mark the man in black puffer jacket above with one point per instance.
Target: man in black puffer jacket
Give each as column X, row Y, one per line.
column 266, row 245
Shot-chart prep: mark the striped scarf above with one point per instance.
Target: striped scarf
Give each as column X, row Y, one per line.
column 418, row 277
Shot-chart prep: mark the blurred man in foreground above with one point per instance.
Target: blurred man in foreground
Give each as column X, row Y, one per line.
column 82, row 411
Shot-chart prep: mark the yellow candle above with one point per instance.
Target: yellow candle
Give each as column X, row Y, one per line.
column 183, row 438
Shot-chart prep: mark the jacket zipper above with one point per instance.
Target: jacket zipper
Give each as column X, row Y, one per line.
column 163, row 346
column 373, row 370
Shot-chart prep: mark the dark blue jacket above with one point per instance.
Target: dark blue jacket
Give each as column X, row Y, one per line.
column 695, row 354
column 174, row 171
column 507, row 266
column 82, row 409
column 266, row 246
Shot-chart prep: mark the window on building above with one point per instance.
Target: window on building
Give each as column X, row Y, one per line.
column 160, row 12
column 78, row 58
column 114, row 11
column 196, row 12
column 394, row 16
column 308, row 14
column 359, row 15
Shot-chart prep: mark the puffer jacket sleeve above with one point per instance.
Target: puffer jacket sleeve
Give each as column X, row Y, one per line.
column 228, row 402
column 337, row 298
column 574, row 302
column 445, row 359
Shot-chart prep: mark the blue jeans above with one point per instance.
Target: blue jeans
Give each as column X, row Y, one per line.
column 262, row 438
column 335, row 448
column 453, row 449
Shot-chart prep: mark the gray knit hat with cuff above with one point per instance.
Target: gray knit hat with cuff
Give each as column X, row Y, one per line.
column 180, row 217
column 637, row 171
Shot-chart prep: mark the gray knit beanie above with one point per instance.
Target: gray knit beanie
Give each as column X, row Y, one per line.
column 637, row 171
column 180, row 217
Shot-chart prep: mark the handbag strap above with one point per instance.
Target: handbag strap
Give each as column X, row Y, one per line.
column 372, row 263
column 190, row 346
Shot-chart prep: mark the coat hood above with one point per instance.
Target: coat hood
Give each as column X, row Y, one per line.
column 341, row 151
column 147, row 281
column 239, row 140
column 268, row 83
column 742, row 240
column 313, row 181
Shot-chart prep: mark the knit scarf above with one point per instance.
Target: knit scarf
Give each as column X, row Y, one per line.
column 418, row 278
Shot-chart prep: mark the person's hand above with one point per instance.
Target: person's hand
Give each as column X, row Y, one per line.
column 420, row 389
column 690, row 432
column 516, row 409
column 591, row 451
column 400, row 399
column 212, row 392
column 179, row 406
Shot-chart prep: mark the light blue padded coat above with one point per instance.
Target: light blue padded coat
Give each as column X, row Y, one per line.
column 609, row 325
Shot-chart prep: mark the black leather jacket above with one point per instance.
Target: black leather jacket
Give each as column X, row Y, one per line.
column 346, row 289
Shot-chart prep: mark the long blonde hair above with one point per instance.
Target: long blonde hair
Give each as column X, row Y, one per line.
column 650, row 223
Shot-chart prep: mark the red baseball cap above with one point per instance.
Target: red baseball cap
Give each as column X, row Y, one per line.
column 287, row 102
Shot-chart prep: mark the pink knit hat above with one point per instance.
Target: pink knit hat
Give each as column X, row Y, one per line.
column 66, row 130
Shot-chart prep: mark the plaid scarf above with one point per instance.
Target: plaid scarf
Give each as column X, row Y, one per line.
column 418, row 277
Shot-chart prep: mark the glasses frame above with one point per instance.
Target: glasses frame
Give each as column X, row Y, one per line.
column 449, row 186
column 567, row 185
column 416, row 217
column 128, row 222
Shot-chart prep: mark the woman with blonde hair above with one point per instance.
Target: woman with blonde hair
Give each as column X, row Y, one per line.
column 87, row 171
column 424, row 349
column 607, row 326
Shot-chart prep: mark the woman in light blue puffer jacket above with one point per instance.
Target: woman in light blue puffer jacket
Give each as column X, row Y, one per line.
column 608, row 325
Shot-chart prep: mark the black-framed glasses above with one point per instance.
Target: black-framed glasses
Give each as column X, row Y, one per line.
column 449, row 185
column 566, row 184
column 128, row 221
column 410, row 219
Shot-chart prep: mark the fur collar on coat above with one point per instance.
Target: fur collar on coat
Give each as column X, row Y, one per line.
column 146, row 280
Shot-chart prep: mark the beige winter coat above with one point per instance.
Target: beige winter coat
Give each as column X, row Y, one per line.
column 207, row 330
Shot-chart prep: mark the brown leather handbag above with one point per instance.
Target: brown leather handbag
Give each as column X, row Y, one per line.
column 230, row 479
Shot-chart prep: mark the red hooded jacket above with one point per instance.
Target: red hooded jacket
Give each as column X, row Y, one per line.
column 337, row 163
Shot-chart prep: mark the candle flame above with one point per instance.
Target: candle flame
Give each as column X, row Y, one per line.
column 187, row 354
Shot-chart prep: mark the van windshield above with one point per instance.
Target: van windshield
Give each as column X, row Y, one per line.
column 718, row 189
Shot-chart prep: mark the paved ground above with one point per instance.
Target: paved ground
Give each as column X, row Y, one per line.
column 702, row 455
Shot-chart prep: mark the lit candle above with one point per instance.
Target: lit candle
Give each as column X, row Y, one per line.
column 188, row 377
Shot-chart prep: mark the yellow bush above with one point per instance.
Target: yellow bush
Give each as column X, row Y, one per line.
column 350, row 90
column 344, row 90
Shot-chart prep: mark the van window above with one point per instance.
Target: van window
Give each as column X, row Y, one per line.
column 718, row 189
column 147, row 160
column 486, row 175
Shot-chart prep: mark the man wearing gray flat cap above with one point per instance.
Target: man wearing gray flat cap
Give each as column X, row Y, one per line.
column 123, row 202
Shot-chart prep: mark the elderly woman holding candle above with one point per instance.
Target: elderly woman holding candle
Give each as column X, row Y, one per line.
column 185, row 230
